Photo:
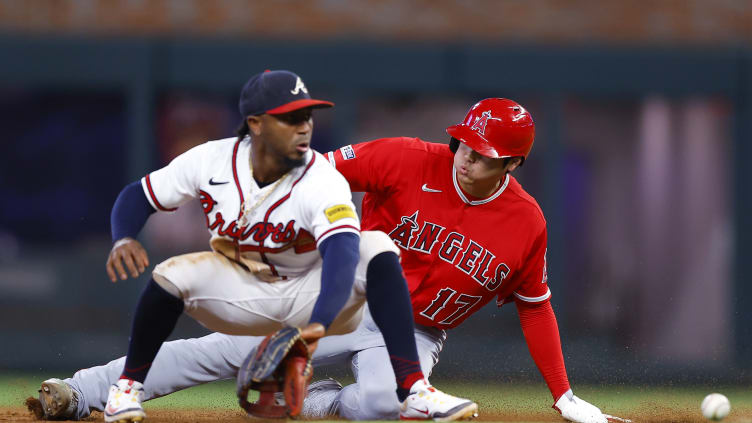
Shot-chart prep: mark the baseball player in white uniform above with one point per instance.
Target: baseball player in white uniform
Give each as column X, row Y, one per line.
column 286, row 251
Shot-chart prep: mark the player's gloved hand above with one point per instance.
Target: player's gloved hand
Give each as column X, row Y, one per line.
column 576, row 410
column 311, row 333
column 280, row 363
column 130, row 252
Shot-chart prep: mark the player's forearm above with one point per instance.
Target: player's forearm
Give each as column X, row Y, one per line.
column 130, row 211
column 538, row 323
column 340, row 254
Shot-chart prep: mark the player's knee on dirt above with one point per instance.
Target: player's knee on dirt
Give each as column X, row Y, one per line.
column 360, row 402
column 378, row 403
column 373, row 243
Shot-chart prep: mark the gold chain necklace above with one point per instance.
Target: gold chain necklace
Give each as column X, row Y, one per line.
column 245, row 211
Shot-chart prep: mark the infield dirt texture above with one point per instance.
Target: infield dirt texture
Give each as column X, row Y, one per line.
column 216, row 402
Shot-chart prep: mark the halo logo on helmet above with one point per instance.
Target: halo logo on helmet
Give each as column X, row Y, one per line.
column 495, row 128
column 482, row 121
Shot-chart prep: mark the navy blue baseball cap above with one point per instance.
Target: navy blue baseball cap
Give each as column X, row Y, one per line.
column 276, row 92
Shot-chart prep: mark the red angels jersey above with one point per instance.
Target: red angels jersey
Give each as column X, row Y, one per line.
column 458, row 253
column 284, row 222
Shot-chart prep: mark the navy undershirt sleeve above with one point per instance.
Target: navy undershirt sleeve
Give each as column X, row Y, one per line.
column 130, row 212
column 340, row 253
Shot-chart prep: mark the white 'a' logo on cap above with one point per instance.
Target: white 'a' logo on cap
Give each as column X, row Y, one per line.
column 481, row 122
column 299, row 86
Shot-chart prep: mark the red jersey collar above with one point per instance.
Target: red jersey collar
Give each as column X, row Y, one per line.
column 467, row 198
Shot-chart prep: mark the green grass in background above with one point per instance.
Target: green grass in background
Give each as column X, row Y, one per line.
column 492, row 398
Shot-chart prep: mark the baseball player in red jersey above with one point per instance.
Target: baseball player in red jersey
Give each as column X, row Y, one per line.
column 468, row 234
column 467, row 230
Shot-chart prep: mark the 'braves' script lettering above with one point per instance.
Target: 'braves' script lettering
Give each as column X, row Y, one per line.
column 279, row 233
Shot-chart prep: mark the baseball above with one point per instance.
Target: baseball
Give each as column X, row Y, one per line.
column 715, row 406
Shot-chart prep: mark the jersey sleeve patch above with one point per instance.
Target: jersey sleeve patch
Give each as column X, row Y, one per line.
column 338, row 212
column 348, row 153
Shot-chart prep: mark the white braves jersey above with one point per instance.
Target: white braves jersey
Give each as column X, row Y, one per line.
column 287, row 221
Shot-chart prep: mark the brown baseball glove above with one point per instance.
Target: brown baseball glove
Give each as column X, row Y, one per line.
column 281, row 363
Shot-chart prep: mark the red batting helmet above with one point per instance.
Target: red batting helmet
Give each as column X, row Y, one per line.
column 496, row 128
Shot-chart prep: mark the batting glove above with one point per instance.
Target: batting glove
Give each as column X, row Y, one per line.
column 576, row 410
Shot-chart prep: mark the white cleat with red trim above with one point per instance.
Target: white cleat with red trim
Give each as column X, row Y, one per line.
column 124, row 402
column 428, row 403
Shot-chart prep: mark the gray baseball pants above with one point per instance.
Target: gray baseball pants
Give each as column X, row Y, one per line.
column 189, row 362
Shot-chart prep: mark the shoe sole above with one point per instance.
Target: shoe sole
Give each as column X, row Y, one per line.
column 56, row 398
column 464, row 413
column 126, row 417
column 468, row 412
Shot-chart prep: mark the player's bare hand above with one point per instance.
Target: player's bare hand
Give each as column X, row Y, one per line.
column 127, row 253
column 311, row 334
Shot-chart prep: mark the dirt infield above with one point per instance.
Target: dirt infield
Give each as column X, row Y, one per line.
column 20, row 414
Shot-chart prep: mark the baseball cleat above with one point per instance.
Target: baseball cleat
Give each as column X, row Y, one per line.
column 428, row 403
column 59, row 401
column 124, row 402
column 614, row 419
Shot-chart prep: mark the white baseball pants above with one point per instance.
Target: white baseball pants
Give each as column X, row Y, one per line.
column 225, row 297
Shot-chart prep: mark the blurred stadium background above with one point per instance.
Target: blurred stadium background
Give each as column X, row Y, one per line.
column 644, row 134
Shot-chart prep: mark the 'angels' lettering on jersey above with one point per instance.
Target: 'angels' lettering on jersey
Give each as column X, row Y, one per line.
column 407, row 236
